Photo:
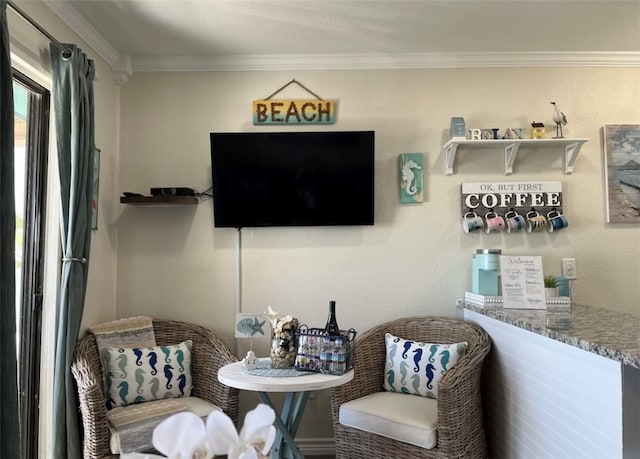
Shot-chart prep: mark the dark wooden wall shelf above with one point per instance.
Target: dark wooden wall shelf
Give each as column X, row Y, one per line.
column 159, row 200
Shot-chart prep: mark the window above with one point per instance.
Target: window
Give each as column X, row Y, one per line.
column 31, row 121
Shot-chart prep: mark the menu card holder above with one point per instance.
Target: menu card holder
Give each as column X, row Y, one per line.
column 522, row 282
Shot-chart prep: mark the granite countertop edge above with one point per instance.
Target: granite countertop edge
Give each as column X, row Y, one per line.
column 626, row 351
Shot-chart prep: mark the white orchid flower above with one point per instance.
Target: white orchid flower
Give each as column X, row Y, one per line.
column 255, row 439
column 182, row 436
column 185, row 436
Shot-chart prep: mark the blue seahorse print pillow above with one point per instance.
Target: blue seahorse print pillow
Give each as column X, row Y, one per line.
column 135, row 374
column 413, row 367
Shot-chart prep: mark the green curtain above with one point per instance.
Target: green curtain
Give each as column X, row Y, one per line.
column 10, row 430
column 75, row 130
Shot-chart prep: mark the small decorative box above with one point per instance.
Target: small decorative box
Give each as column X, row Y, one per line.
column 457, row 128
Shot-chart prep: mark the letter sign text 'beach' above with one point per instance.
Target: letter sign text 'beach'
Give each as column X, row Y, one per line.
column 294, row 111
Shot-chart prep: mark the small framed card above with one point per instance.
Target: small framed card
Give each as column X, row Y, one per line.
column 522, row 282
column 251, row 325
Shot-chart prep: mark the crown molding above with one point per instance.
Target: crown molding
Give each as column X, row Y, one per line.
column 386, row 61
column 123, row 66
column 84, row 29
column 121, row 70
column 120, row 64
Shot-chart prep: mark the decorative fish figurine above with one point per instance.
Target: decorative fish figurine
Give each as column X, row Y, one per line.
column 250, row 326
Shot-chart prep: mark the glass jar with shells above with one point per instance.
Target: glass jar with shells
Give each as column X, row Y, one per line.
column 284, row 346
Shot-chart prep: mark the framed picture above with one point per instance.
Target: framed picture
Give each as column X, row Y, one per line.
column 96, row 186
column 250, row 325
column 411, row 186
column 622, row 172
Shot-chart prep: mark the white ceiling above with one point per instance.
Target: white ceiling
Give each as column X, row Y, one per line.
column 152, row 35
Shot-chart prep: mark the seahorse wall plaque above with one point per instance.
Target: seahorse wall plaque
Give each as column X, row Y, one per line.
column 411, row 182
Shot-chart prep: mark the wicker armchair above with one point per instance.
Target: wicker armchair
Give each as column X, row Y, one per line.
column 209, row 353
column 460, row 430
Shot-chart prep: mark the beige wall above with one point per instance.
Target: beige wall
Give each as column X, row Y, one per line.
column 416, row 259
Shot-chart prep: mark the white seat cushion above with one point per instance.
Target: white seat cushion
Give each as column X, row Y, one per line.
column 200, row 407
column 408, row 418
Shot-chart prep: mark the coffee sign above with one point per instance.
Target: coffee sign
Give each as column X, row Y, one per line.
column 500, row 197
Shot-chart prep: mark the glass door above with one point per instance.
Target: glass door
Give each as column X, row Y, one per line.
column 31, row 127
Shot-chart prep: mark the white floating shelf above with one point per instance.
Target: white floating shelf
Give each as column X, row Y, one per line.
column 571, row 148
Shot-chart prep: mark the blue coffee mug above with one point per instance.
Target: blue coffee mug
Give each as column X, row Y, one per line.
column 557, row 221
column 515, row 221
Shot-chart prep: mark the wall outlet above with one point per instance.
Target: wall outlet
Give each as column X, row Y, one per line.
column 569, row 270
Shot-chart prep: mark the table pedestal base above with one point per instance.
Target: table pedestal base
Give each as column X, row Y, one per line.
column 287, row 422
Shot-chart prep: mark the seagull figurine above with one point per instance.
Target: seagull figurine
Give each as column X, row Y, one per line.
column 560, row 119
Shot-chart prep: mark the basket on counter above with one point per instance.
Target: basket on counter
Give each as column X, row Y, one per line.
column 321, row 353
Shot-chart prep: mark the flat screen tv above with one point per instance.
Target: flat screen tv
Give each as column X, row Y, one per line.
column 292, row 178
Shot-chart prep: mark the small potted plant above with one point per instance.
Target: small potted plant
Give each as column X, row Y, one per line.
column 550, row 286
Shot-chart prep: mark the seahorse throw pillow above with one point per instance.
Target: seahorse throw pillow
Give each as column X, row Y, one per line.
column 135, row 374
column 413, row 367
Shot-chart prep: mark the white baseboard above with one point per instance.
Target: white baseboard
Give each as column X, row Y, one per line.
column 317, row 446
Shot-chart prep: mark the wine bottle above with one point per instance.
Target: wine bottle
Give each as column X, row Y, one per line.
column 331, row 328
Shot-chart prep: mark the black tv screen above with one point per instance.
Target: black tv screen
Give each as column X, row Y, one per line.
column 292, row 178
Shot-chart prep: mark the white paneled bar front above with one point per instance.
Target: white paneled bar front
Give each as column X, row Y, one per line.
column 547, row 399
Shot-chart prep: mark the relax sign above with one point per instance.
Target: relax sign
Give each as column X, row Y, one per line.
column 294, row 111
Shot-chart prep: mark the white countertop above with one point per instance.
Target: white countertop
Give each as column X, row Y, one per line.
column 611, row 334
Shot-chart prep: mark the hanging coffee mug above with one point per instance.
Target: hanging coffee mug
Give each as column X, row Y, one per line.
column 535, row 221
column 471, row 222
column 495, row 223
column 515, row 221
column 557, row 221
